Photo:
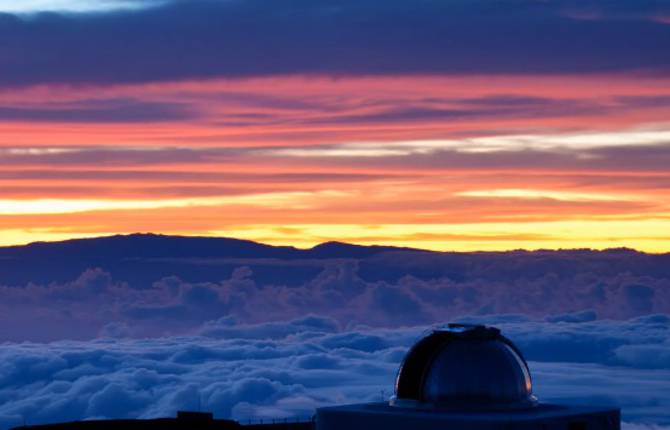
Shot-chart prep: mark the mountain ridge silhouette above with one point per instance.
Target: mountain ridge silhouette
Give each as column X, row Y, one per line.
column 143, row 258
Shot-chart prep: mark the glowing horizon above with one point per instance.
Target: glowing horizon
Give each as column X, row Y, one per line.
column 556, row 180
column 400, row 140
column 481, row 243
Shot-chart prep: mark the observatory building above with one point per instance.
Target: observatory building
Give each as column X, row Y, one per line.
column 465, row 377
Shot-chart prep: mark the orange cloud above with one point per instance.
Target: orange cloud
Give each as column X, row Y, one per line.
column 446, row 163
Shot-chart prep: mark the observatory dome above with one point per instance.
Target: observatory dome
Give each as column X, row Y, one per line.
column 464, row 367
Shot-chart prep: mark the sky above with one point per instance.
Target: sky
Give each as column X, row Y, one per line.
column 447, row 125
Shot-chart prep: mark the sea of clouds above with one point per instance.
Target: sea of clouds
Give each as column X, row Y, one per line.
column 287, row 369
column 411, row 290
column 595, row 328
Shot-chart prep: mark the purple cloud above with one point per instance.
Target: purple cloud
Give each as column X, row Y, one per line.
column 259, row 37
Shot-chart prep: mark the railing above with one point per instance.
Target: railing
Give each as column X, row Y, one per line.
column 297, row 423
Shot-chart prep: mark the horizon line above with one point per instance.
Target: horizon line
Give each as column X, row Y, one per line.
column 307, row 248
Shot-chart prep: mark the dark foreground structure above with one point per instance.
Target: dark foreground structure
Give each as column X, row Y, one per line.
column 460, row 377
column 183, row 421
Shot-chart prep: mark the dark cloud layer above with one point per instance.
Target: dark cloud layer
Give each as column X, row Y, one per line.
column 498, row 107
column 206, row 38
column 98, row 111
column 144, row 290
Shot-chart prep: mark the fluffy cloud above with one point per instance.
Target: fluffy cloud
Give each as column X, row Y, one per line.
column 594, row 326
column 390, row 289
column 286, row 369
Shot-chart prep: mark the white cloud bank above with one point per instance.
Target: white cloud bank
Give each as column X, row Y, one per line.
column 286, row 369
column 73, row 6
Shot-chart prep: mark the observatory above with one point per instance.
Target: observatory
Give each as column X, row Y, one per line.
column 464, row 377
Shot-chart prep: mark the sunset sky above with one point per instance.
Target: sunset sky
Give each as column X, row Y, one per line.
column 447, row 125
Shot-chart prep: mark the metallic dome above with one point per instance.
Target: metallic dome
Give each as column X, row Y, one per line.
column 464, row 367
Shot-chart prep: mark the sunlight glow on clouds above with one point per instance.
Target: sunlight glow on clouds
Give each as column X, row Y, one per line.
column 566, row 142
column 295, row 200
column 77, row 6
column 645, row 235
column 458, row 162
column 566, row 196
column 575, row 141
column 30, row 235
